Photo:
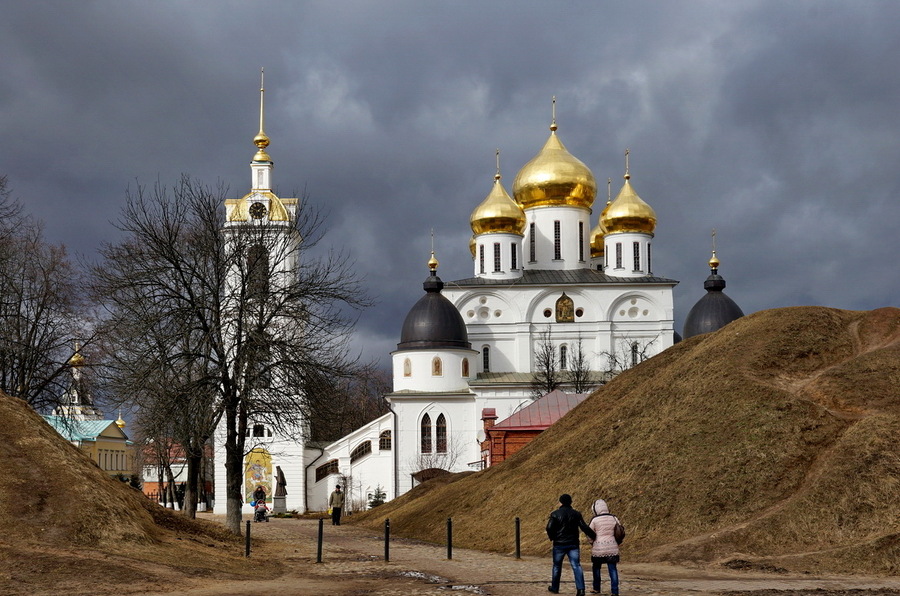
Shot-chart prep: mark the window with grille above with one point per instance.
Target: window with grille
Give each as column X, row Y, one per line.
column 637, row 256
column 326, row 469
column 384, row 441
column 496, row 257
column 532, row 252
column 563, row 357
column 618, row 255
column 513, row 257
column 440, row 431
column 557, row 249
column 426, row 434
column 580, row 240
column 361, row 450
column 486, row 358
column 481, row 258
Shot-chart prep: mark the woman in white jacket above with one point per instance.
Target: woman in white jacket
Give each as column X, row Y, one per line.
column 605, row 549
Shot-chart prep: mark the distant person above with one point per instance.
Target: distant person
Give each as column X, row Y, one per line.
column 336, row 502
column 260, row 511
column 562, row 529
column 606, row 547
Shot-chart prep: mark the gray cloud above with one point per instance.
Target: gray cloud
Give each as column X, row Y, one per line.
column 775, row 123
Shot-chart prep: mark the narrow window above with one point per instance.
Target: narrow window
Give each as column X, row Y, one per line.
column 257, row 272
column 384, row 441
column 259, row 430
column 637, row 256
column 531, row 247
column 649, row 270
column 440, row 431
column 481, row 258
column 465, row 368
column 513, row 257
column 557, row 254
column 634, row 354
column 563, row 357
column 426, row 434
column 496, row 257
column 259, row 178
column 618, row 255
column 407, row 368
column 580, row 240
column 437, row 367
column 486, row 358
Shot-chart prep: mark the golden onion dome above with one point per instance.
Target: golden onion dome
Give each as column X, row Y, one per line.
column 433, row 263
column 714, row 261
column 77, row 360
column 628, row 213
column 498, row 213
column 119, row 421
column 472, row 246
column 597, row 245
column 554, row 177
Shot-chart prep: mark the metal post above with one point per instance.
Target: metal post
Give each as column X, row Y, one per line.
column 319, row 547
column 247, row 541
column 449, row 538
column 518, row 539
column 387, row 540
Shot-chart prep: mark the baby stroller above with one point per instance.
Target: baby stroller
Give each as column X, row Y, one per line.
column 260, row 512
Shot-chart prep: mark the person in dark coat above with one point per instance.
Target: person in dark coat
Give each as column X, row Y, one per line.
column 563, row 529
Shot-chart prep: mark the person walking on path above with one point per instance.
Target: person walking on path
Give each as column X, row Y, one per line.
column 562, row 529
column 336, row 502
column 605, row 548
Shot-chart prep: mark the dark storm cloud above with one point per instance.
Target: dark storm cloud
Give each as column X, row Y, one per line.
column 773, row 122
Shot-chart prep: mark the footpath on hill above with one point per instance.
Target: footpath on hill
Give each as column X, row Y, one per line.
column 353, row 564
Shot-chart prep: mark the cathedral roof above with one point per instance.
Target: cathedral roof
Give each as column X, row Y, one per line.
column 628, row 212
column 714, row 310
column 540, row 277
column 433, row 322
column 498, row 213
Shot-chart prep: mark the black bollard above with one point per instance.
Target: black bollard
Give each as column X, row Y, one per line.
column 321, row 532
column 387, row 540
column 247, row 541
column 449, row 538
column 518, row 539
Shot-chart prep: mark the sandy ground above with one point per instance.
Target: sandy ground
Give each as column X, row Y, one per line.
column 353, row 564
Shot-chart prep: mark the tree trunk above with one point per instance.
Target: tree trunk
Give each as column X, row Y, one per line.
column 234, row 472
column 193, row 455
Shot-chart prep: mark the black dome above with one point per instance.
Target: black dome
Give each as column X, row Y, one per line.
column 713, row 311
column 433, row 322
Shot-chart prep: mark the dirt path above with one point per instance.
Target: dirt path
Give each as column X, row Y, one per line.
column 353, row 564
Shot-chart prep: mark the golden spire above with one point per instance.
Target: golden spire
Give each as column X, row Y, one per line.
column 261, row 140
column 120, row 422
column 714, row 261
column 608, row 191
column 627, row 175
column 497, row 175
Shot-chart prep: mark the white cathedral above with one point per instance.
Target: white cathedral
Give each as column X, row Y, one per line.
column 542, row 274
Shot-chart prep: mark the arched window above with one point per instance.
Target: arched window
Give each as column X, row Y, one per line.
column 634, row 354
column 486, row 358
column 363, row 449
column 384, row 441
column 257, row 271
column 563, row 357
column 426, row 434
column 440, row 431
column 407, row 368
column 326, row 469
column 437, row 367
column 465, row 368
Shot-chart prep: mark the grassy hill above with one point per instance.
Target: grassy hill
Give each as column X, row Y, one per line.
column 68, row 523
column 774, row 442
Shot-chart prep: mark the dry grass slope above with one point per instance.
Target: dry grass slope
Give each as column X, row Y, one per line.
column 775, row 440
column 68, row 522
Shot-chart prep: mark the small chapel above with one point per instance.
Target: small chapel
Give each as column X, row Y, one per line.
column 554, row 272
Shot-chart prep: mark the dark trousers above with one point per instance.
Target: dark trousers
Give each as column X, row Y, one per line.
column 335, row 516
column 596, row 568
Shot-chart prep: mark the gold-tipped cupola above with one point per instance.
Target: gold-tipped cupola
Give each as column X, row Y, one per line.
column 554, row 177
column 261, row 140
column 498, row 213
column 628, row 213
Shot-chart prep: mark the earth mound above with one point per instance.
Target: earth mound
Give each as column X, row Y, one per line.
column 773, row 442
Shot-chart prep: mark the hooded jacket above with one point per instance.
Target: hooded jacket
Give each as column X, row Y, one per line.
column 603, row 524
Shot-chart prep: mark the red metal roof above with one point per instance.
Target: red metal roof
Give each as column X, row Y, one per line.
column 543, row 412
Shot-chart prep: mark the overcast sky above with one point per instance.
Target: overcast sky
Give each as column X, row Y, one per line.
column 777, row 123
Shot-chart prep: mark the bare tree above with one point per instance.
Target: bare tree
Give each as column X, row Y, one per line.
column 579, row 372
column 546, row 375
column 41, row 314
column 260, row 314
column 627, row 353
